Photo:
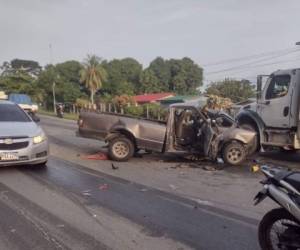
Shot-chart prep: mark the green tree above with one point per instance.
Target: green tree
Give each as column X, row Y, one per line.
column 161, row 69
column 122, row 76
column 19, row 76
column 149, row 83
column 93, row 75
column 16, row 66
column 182, row 76
column 66, row 78
column 234, row 89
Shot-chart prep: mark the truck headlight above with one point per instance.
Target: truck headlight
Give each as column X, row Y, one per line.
column 39, row 138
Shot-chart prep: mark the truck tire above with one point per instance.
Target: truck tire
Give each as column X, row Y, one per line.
column 255, row 146
column 120, row 149
column 234, row 153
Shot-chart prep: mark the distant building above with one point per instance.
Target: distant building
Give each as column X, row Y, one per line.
column 151, row 98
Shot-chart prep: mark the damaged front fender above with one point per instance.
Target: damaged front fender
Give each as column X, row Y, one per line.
column 246, row 137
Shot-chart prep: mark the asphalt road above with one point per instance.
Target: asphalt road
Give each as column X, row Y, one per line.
column 69, row 206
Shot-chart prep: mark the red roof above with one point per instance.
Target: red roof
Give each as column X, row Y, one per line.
column 151, row 97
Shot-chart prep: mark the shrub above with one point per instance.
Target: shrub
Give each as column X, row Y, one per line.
column 137, row 111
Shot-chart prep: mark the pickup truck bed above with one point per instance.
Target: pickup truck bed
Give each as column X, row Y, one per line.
column 147, row 134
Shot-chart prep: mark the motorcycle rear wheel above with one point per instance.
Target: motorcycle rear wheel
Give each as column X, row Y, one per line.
column 287, row 235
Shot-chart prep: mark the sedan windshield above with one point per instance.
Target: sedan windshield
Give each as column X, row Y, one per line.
column 12, row 113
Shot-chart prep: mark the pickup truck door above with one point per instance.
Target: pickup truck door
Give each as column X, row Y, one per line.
column 275, row 104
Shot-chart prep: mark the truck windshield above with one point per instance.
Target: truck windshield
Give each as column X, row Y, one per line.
column 12, row 113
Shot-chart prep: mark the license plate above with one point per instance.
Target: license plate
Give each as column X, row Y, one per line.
column 8, row 157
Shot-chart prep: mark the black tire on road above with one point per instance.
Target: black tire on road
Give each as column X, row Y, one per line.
column 234, row 153
column 255, row 146
column 121, row 149
column 266, row 224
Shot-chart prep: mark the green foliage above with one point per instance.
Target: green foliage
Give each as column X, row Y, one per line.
column 181, row 76
column 155, row 111
column 233, row 89
column 28, row 67
column 81, row 102
column 161, row 69
column 137, row 111
column 105, row 79
column 123, row 76
column 149, row 82
column 18, row 76
column 93, row 75
column 65, row 77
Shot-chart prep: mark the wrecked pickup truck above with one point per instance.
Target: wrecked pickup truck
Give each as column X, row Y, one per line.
column 186, row 130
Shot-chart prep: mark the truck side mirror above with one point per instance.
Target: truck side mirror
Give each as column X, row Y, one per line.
column 259, row 87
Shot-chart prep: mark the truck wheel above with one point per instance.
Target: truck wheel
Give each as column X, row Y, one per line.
column 120, row 149
column 255, row 145
column 234, row 153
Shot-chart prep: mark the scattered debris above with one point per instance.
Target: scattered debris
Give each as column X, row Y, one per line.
column 60, row 225
column 173, row 186
column 220, row 161
column 180, row 165
column 94, row 215
column 114, row 167
column 144, row 190
column 203, row 202
column 186, row 165
column 13, row 230
column 78, row 155
column 194, row 157
column 98, row 156
column 103, row 186
column 255, row 168
column 209, row 168
column 86, row 194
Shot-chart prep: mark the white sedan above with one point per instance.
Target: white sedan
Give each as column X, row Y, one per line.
column 22, row 140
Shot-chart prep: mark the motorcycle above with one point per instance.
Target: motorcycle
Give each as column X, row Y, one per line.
column 60, row 110
column 280, row 227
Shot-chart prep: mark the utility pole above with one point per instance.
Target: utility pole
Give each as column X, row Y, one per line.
column 53, row 84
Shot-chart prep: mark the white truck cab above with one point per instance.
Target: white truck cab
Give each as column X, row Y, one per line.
column 275, row 114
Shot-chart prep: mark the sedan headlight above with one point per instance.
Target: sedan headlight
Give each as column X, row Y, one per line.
column 39, row 138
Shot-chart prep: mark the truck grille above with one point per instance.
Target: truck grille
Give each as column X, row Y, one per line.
column 14, row 146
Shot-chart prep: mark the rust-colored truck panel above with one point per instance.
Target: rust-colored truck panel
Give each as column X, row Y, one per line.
column 187, row 129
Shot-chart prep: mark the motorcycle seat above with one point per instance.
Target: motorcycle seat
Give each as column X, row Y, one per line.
column 294, row 180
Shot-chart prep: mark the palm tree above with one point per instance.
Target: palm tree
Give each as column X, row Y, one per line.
column 93, row 74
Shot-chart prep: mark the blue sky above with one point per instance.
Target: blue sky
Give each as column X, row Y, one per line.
column 205, row 30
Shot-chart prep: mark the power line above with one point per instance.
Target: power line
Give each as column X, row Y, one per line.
column 251, row 63
column 254, row 56
column 269, row 64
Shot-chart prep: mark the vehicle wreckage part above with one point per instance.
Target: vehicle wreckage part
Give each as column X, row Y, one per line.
column 255, row 145
column 234, row 153
column 120, row 149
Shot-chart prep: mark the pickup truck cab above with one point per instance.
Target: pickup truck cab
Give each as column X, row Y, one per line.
column 186, row 130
